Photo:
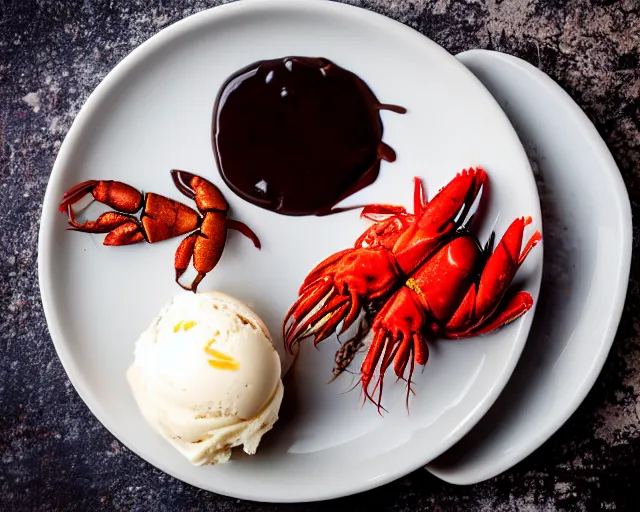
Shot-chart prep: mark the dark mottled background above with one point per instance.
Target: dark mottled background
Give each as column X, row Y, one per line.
column 54, row 455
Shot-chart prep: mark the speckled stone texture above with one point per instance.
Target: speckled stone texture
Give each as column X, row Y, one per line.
column 54, row 455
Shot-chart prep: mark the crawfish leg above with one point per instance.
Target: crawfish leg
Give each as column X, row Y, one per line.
column 245, row 230
column 371, row 361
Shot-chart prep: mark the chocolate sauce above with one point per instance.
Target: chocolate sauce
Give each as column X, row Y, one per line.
column 299, row 134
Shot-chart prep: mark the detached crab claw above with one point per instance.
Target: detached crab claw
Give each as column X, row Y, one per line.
column 161, row 218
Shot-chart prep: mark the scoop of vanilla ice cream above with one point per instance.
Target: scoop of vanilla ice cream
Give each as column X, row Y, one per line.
column 207, row 377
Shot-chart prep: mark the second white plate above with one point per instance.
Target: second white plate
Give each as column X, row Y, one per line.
column 587, row 219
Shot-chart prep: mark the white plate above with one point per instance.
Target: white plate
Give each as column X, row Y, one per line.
column 588, row 233
column 152, row 113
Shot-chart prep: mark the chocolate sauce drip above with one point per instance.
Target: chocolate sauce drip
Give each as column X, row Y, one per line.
column 297, row 135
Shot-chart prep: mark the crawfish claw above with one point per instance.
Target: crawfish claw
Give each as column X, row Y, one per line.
column 74, row 194
column 182, row 181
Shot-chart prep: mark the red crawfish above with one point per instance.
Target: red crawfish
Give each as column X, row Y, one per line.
column 337, row 288
column 430, row 275
column 162, row 218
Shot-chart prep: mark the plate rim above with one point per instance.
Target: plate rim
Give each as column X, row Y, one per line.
column 137, row 55
column 609, row 167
